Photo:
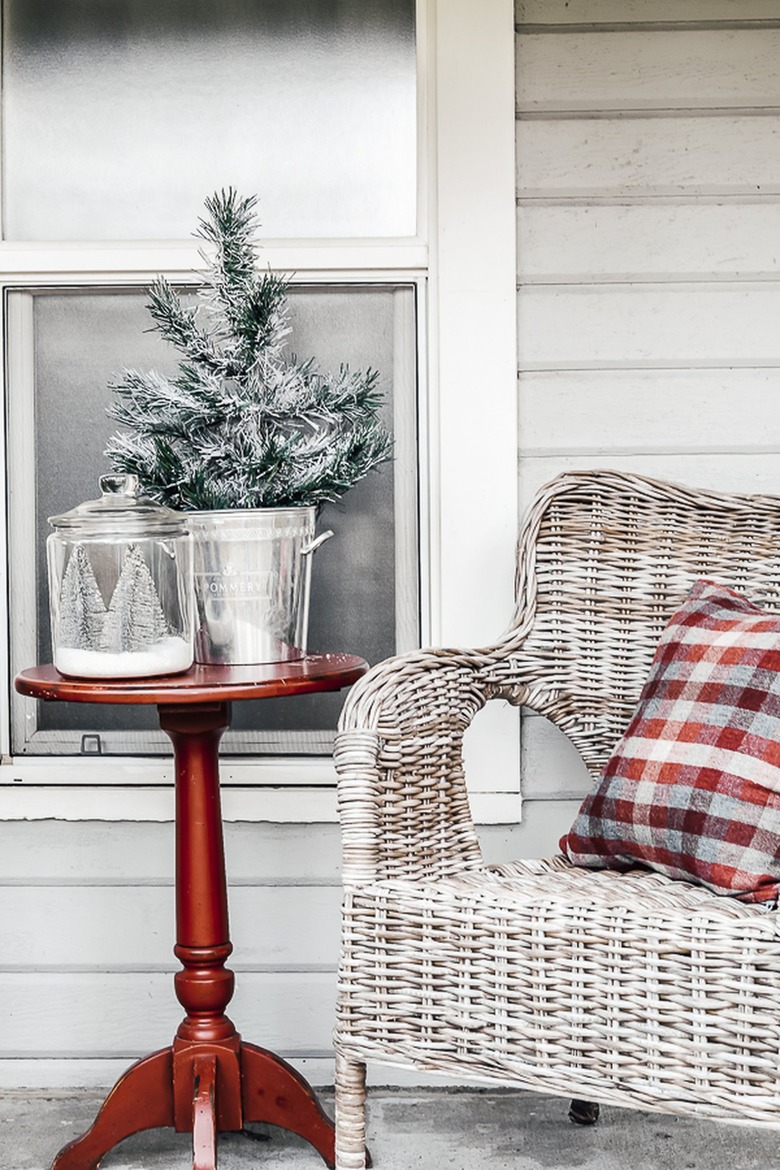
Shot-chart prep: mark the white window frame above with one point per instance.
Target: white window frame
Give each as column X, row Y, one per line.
column 463, row 262
column 31, row 741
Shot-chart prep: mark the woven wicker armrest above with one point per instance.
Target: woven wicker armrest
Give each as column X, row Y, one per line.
column 402, row 794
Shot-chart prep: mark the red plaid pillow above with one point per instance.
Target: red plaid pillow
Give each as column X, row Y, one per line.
column 693, row 788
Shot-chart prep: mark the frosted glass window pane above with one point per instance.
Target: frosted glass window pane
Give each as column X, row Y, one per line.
column 81, row 339
column 120, row 116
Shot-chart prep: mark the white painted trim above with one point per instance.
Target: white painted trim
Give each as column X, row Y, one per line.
column 473, row 387
column 424, row 510
column 472, row 423
column 21, row 495
column 284, row 805
column 541, row 15
column 107, row 771
column 25, row 734
column 406, row 331
column 5, row 664
column 123, row 263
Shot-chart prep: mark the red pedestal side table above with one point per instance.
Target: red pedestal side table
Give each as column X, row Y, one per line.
column 208, row 1079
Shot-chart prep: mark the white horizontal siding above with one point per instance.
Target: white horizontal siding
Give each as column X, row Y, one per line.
column 67, row 1075
column 552, row 766
column 127, row 1014
column 87, row 918
column 592, row 13
column 544, row 821
column 714, row 470
column 648, row 175
column 102, row 853
column 83, row 854
column 602, row 325
column 619, row 71
column 87, row 925
column 619, row 157
column 644, row 411
column 52, row 928
column 555, row 778
column 656, row 241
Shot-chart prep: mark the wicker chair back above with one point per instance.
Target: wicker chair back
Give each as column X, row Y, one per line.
column 604, row 559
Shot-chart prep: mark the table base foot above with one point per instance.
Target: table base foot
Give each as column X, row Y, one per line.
column 146, row 1097
column 274, row 1092
column 141, row 1099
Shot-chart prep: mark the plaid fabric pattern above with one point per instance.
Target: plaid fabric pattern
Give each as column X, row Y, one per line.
column 693, row 788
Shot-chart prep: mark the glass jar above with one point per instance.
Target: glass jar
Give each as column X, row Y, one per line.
column 120, row 586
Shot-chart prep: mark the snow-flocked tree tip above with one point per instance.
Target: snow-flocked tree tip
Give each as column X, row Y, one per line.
column 242, row 424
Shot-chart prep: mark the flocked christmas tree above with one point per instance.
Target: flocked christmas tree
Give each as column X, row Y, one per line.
column 82, row 609
column 242, row 424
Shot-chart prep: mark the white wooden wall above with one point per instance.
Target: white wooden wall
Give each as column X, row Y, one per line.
column 648, row 138
column 87, row 927
column 648, row 182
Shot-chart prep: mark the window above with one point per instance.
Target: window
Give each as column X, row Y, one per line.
column 62, row 353
column 315, row 108
column 407, row 234
column 118, row 118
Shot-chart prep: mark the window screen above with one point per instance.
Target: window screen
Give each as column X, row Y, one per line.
column 64, row 348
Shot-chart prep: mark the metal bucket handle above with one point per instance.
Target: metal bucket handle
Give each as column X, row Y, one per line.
column 307, row 551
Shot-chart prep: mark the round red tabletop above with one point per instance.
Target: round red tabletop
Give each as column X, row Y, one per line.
column 200, row 684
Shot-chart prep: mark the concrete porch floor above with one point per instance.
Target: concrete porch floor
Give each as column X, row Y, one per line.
column 410, row 1129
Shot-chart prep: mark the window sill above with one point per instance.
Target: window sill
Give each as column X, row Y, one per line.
column 136, row 789
column 294, row 791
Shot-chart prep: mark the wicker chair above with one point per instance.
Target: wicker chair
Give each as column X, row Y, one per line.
column 628, row 989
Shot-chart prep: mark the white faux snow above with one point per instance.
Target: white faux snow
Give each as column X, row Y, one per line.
column 166, row 657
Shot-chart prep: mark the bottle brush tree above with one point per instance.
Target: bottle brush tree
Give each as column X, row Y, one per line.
column 242, row 424
column 82, row 609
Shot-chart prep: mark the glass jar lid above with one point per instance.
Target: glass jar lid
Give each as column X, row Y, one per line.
column 121, row 511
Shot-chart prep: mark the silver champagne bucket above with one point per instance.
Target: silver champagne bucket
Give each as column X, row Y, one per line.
column 252, row 574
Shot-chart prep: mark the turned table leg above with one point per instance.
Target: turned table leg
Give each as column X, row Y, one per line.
column 206, row 1067
column 249, row 1083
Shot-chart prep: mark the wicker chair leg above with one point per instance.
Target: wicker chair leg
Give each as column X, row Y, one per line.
column 583, row 1112
column 350, row 1114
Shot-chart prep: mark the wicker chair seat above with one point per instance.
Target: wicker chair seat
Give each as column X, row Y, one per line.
column 615, row 987
column 625, row 988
